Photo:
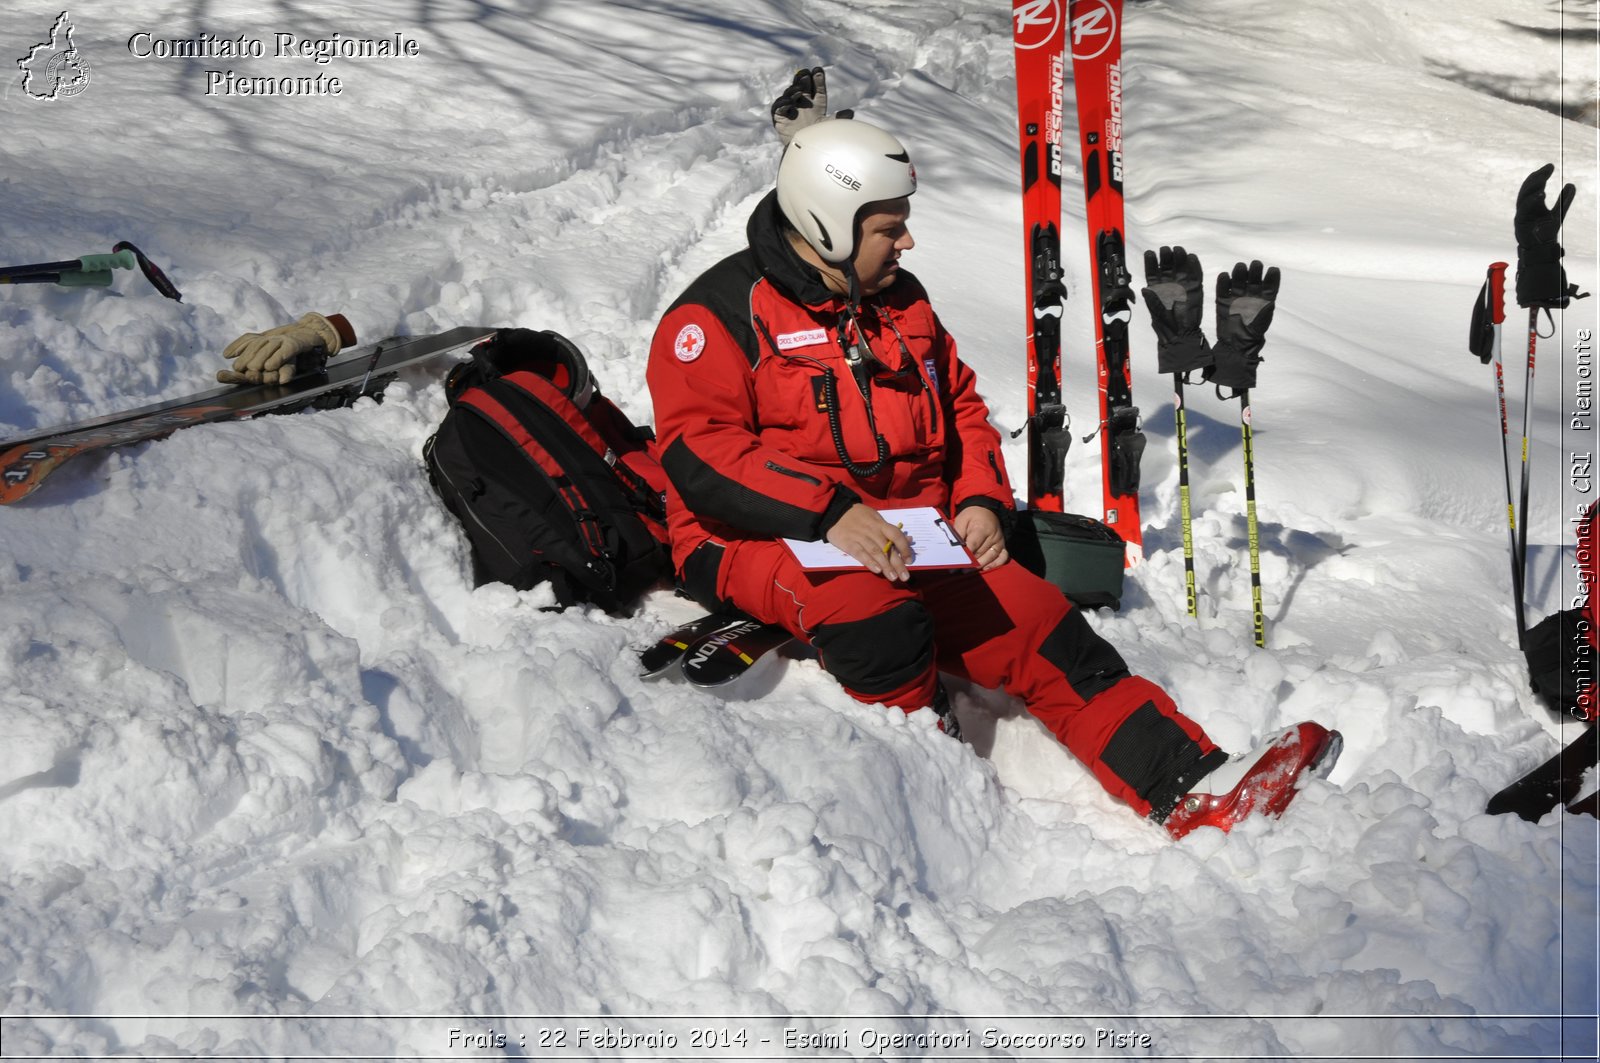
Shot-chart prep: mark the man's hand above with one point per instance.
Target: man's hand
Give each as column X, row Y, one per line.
column 866, row 536
column 980, row 533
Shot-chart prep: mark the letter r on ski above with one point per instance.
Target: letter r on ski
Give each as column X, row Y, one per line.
column 1091, row 24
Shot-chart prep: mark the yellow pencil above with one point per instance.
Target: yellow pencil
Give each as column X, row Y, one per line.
column 888, row 544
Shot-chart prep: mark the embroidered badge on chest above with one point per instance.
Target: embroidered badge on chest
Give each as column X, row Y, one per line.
column 810, row 338
column 690, row 344
column 819, row 393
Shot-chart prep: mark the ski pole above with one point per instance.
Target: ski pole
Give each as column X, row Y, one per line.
column 1245, row 303
column 1258, row 615
column 1180, row 415
column 1488, row 317
column 36, row 272
column 1174, row 291
column 1520, row 549
column 1541, row 285
column 71, row 278
column 91, row 271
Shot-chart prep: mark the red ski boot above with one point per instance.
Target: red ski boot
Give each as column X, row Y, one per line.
column 1262, row 781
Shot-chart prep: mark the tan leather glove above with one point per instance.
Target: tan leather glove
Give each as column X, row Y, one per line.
column 270, row 357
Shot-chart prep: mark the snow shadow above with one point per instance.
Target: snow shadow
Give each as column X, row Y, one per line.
column 1302, row 549
column 1215, row 440
column 1528, row 91
column 64, row 772
column 1573, row 97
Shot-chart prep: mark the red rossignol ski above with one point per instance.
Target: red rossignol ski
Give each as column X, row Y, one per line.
column 1039, row 34
column 1096, row 43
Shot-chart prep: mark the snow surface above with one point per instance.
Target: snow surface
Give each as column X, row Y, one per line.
column 267, row 758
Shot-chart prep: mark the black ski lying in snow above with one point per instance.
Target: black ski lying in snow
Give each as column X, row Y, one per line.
column 25, row 462
column 1554, row 783
column 714, row 650
column 664, row 655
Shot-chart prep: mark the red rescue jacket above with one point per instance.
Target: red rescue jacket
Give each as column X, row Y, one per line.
column 739, row 375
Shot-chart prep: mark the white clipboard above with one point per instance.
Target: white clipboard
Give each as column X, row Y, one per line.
column 934, row 544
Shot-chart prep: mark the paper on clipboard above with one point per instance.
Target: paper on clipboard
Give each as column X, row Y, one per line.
column 934, row 543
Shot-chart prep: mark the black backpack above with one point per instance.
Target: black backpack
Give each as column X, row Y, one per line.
column 550, row 480
column 1561, row 656
column 1561, row 663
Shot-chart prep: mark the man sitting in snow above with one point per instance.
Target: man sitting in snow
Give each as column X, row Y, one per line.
column 805, row 383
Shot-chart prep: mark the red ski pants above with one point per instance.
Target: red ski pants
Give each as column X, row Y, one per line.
column 886, row 643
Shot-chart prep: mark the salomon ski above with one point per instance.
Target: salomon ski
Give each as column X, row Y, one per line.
column 724, row 655
column 659, row 658
column 26, row 462
column 1039, row 36
column 1096, row 43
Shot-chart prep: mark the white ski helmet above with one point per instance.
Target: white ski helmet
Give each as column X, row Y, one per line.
column 830, row 171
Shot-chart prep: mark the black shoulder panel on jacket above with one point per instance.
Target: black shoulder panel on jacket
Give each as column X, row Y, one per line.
column 724, row 289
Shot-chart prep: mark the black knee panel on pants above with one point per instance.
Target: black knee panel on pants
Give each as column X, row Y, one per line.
column 1090, row 663
column 1157, row 758
column 880, row 653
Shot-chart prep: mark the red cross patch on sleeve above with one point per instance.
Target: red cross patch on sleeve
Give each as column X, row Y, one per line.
column 690, row 344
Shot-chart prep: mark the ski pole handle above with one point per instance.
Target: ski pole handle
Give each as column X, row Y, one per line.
column 1497, row 292
column 85, row 278
column 1488, row 314
column 91, row 271
column 106, row 263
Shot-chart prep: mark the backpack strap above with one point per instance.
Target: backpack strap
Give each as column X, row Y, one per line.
column 582, row 510
column 556, row 400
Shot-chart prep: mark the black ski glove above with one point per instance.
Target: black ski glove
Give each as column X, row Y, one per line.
column 1541, row 279
column 1175, row 292
column 803, row 103
column 1245, row 302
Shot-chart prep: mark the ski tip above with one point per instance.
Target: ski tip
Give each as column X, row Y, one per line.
column 656, row 661
column 10, row 494
column 24, row 467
